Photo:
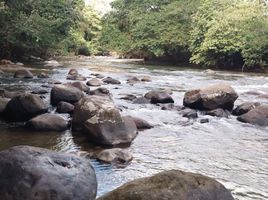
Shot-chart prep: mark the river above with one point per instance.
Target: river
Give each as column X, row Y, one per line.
column 234, row 153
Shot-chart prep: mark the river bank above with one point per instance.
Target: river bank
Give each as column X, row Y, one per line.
column 224, row 148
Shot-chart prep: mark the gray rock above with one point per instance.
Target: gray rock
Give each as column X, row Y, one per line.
column 3, row 104
column 129, row 97
column 64, row 107
column 256, row 116
column 219, row 112
column 141, row 100
column 244, row 108
column 141, row 123
column 80, row 85
column 94, row 82
column 23, row 73
column 159, row 97
column 43, row 75
column 10, row 94
column 30, row 173
column 48, row 122
column 24, row 107
column 65, row 93
column 210, row 98
column 171, row 185
column 110, row 80
column 189, row 113
column 98, row 117
column 100, row 92
column 73, row 72
column 116, row 155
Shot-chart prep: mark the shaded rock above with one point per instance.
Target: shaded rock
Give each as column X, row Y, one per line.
column 100, row 92
column 65, row 93
column 133, row 80
column 73, row 72
column 94, row 82
column 39, row 91
column 110, row 80
column 171, row 106
column 211, row 97
column 171, row 185
column 30, row 173
column 48, row 122
column 100, row 76
column 244, row 108
column 203, row 121
column 141, row 100
column 219, row 112
column 146, row 79
column 23, row 73
column 141, row 123
column 54, row 82
column 24, row 107
column 64, row 107
column 256, row 116
column 98, row 117
column 3, row 104
column 43, row 75
column 159, row 97
column 129, row 97
column 189, row 113
column 115, row 156
column 80, row 85
column 52, row 63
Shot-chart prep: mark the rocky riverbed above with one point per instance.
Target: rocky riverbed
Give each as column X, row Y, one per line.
column 204, row 138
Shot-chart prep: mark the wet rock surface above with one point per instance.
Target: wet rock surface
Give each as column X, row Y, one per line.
column 256, row 116
column 30, row 173
column 172, row 185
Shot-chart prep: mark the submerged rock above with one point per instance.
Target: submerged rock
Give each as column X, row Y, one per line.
column 24, row 107
column 244, row 108
column 30, row 173
column 116, row 155
column 65, row 93
column 48, row 122
column 23, row 73
column 141, row 100
column 256, row 116
column 100, row 92
column 43, row 75
column 189, row 113
column 211, row 97
column 98, row 117
column 171, row 185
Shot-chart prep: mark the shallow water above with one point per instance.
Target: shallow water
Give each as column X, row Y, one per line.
column 234, row 153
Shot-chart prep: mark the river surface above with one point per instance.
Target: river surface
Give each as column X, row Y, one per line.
column 234, row 153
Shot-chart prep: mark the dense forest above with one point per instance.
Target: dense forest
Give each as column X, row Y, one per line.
column 224, row 33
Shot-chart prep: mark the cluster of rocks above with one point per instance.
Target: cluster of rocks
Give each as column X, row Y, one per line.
column 30, row 173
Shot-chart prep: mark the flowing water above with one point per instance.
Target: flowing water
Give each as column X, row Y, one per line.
column 234, row 153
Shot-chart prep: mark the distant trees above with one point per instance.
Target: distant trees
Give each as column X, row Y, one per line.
column 207, row 32
column 41, row 27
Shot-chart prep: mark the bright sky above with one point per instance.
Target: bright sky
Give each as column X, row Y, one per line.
column 101, row 6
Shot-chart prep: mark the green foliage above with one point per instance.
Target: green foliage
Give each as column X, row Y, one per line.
column 230, row 33
column 42, row 27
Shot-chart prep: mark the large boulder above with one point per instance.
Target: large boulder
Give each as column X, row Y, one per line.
column 98, row 117
column 245, row 107
column 23, row 73
column 159, row 97
column 30, row 173
column 115, row 155
column 48, row 122
column 256, row 116
column 24, row 107
column 65, row 93
column 171, row 185
column 210, row 98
